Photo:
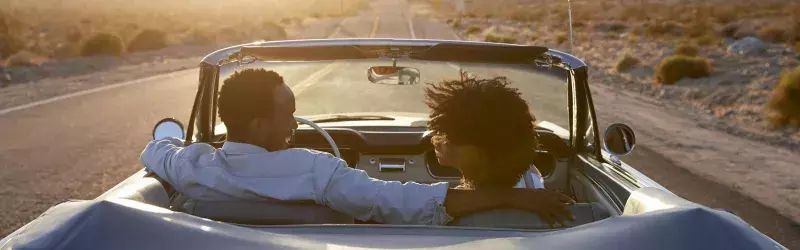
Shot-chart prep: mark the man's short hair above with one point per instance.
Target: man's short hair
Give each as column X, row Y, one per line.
column 490, row 115
column 246, row 95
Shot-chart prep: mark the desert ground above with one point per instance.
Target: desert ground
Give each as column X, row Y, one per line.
column 718, row 136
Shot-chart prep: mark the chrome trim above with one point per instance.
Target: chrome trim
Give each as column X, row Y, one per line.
column 217, row 57
column 390, row 167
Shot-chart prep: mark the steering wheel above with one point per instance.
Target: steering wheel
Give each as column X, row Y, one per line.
column 324, row 134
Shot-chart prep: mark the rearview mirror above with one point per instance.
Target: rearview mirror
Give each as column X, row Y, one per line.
column 618, row 139
column 393, row 75
column 168, row 127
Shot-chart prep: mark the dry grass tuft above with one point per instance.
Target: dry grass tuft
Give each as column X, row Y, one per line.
column 677, row 67
column 626, row 62
column 149, row 39
column 657, row 29
column 102, row 44
column 687, row 50
column 24, row 59
column 500, row 39
column 456, row 24
column 562, row 37
column 472, row 29
column 784, row 105
column 709, row 40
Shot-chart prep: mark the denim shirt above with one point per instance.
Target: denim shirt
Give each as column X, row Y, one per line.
column 241, row 171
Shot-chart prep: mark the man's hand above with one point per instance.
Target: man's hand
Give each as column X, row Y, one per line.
column 549, row 205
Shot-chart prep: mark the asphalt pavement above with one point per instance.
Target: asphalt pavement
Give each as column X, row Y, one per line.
column 78, row 147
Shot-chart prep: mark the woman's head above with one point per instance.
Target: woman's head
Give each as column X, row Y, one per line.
column 484, row 128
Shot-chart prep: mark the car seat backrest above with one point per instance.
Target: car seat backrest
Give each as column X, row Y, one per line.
column 511, row 218
column 267, row 212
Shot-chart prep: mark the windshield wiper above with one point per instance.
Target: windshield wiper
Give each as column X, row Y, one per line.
column 343, row 118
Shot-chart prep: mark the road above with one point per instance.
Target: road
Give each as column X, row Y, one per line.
column 78, row 147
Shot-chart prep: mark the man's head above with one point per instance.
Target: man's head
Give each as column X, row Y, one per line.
column 257, row 108
column 484, row 128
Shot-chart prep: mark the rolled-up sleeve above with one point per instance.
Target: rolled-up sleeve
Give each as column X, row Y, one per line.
column 162, row 157
column 353, row 192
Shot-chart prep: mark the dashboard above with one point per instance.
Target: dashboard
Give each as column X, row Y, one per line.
column 406, row 153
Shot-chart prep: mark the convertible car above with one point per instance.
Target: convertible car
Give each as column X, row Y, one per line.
column 362, row 100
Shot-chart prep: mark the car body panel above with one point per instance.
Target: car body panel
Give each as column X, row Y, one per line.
column 668, row 223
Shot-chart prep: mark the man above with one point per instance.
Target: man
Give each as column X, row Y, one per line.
column 256, row 162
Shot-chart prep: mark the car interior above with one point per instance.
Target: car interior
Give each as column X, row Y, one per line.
column 392, row 154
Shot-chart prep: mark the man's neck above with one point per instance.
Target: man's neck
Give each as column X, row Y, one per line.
column 246, row 141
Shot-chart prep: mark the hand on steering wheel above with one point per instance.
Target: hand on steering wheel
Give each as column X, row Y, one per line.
column 324, row 134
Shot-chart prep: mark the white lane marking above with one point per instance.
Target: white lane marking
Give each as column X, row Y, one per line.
column 337, row 29
column 90, row 91
column 411, row 27
column 315, row 78
column 374, row 30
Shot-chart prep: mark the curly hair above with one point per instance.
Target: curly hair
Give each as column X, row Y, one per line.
column 247, row 95
column 490, row 115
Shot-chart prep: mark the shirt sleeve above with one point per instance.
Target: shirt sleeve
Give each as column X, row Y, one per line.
column 353, row 192
column 162, row 157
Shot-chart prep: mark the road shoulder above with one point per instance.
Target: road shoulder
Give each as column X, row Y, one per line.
column 765, row 173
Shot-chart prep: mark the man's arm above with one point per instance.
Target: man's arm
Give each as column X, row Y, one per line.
column 161, row 157
column 352, row 192
column 549, row 205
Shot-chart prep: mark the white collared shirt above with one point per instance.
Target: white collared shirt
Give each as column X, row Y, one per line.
column 241, row 171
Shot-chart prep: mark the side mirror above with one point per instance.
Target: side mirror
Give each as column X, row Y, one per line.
column 393, row 75
column 618, row 139
column 168, row 127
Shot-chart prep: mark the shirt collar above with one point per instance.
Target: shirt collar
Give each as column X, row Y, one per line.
column 242, row 148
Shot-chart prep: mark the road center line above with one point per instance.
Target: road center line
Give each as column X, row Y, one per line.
column 374, row 27
column 410, row 26
column 90, row 91
column 315, row 78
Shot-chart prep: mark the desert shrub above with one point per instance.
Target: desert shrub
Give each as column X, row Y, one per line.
column 626, row 62
column 149, row 39
column 67, row 50
column 656, row 29
column 784, row 104
column 102, row 44
column 449, row 21
column 687, row 50
column 725, row 15
column 500, row 39
column 456, row 24
column 473, row 29
column 24, row 59
column 729, row 30
column 522, row 15
column 561, row 37
column 708, row 40
column 199, row 37
column 677, row 67
column 774, row 33
column 272, row 31
column 10, row 44
column 697, row 29
column 316, row 15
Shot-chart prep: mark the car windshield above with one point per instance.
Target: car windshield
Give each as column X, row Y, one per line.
column 342, row 87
